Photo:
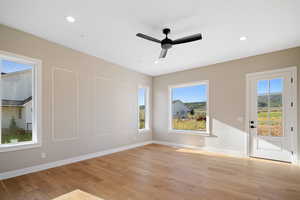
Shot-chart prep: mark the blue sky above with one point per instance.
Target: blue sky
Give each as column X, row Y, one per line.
column 276, row 85
column 9, row 66
column 190, row 94
column 142, row 92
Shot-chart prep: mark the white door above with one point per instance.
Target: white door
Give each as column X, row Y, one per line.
column 272, row 114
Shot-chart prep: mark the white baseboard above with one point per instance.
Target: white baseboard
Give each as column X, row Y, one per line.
column 176, row 145
column 209, row 149
column 19, row 172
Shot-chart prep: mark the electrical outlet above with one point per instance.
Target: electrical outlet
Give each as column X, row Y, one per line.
column 43, row 155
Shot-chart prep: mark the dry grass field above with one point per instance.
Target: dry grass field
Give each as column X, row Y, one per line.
column 196, row 122
column 141, row 117
column 270, row 125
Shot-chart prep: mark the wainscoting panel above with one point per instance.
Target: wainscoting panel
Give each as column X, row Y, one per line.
column 64, row 104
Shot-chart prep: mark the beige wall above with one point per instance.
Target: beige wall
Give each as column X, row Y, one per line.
column 71, row 78
column 227, row 91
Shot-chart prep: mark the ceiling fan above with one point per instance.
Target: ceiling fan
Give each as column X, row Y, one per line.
column 168, row 43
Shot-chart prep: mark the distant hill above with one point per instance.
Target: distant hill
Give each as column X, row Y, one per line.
column 275, row 100
column 142, row 107
column 196, row 105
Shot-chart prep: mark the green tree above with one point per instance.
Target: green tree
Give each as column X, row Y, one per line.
column 13, row 128
column 192, row 112
column 262, row 104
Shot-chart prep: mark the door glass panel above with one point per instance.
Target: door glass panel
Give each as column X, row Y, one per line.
column 262, row 108
column 269, row 107
column 276, row 88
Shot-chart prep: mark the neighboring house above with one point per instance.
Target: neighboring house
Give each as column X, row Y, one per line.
column 16, row 99
column 179, row 109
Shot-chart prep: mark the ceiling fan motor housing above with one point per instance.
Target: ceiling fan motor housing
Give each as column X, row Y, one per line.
column 166, row 43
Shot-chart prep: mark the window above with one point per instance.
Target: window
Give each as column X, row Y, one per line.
column 143, row 116
column 19, row 102
column 189, row 108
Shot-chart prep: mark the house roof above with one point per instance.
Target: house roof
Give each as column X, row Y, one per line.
column 175, row 101
column 4, row 74
column 8, row 102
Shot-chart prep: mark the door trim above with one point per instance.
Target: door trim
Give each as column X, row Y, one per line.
column 294, row 138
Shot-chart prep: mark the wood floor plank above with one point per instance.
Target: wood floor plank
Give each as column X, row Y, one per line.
column 3, row 192
column 161, row 172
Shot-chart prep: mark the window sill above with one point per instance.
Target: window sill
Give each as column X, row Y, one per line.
column 19, row 146
column 200, row 133
column 145, row 130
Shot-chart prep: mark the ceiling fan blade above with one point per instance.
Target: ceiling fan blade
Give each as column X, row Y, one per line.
column 141, row 35
column 190, row 38
column 163, row 53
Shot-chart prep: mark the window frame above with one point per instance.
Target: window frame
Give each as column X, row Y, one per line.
column 36, row 102
column 170, row 118
column 147, row 109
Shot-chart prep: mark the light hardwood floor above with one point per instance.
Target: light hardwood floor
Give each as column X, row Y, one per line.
column 161, row 172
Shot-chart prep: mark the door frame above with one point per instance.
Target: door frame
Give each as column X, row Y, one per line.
column 294, row 137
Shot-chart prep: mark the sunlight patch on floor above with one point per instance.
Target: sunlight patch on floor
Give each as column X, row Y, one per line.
column 190, row 151
column 196, row 151
column 77, row 195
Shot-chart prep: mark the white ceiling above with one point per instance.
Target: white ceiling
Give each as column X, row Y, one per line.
column 107, row 28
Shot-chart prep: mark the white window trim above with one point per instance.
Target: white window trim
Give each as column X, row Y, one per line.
column 37, row 102
column 170, row 129
column 147, row 109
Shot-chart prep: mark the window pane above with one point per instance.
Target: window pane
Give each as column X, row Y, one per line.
column 16, row 102
column 269, row 107
column 189, row 108
column 142, row 107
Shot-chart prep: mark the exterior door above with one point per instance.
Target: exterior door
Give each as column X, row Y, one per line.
column 272, row 117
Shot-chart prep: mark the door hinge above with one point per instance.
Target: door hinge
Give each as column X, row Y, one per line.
column 292, row 80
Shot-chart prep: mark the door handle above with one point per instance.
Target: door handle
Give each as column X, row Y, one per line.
column 252, row 126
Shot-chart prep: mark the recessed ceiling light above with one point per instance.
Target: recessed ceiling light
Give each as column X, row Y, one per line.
column 243, row 38
column 156, row 61
column 70, row 19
